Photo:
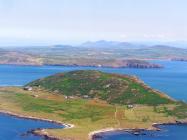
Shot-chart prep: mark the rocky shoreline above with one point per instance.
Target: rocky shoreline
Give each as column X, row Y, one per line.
column 155, row 127
column 136, row 64
column 129, row 63
column 39, row 132
column 98, row 134
column 179, row 59
column 92, row 135
column 43, row 133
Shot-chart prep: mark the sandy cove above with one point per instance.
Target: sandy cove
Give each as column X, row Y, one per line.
column 97, row 132
column 154, row 127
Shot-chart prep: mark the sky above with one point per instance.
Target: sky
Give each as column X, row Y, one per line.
column 37, row 22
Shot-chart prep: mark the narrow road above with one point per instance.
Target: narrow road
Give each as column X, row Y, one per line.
column 116, row 117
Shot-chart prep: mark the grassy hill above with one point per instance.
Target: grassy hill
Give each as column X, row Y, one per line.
column 113, row 88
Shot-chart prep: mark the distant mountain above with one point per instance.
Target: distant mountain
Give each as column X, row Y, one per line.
column 109, row 44
column 165, row 47
column 178, row 44
column 61, row 46
column 160, row 52
column 136, row 51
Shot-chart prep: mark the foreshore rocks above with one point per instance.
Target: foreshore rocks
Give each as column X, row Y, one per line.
column 179, row 59
column 38, row 131
column 92, row 135
column 121, row 63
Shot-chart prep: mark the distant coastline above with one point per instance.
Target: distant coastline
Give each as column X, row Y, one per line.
column 136, row 64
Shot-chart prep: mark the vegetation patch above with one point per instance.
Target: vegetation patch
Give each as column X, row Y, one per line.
column 115, row 89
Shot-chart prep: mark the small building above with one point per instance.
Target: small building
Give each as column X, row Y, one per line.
column 85, row 96
column 107, row 86
column 130, row 106
column 56, row 91
column 71, row 97
column 28, row 88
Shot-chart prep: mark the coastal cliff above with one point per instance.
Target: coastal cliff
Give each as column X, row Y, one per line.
column 179, row 59
column 130, row 63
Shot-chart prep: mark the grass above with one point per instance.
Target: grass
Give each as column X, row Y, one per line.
column 86, row 115
column 179, row 110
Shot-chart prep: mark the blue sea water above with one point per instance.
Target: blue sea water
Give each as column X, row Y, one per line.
column 172, row 80
column 168, row 132
column 12, row 128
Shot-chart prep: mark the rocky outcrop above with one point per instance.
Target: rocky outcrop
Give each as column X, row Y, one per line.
column 179, row 59
column 130, row 63
column 141, row 64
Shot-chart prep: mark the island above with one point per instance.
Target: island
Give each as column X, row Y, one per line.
column 90, row 102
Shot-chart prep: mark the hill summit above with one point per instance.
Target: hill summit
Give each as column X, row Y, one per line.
column 113, row 88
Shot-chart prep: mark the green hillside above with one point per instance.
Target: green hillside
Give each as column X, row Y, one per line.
column 113, row 88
